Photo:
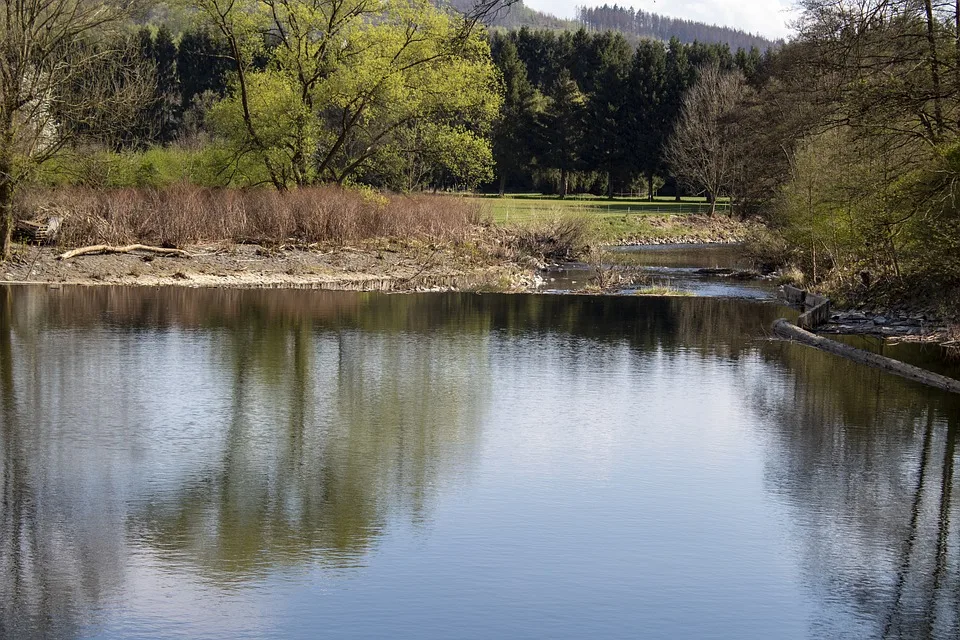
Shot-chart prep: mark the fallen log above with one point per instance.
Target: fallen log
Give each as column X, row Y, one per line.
column 789, row 331
column 133, row 248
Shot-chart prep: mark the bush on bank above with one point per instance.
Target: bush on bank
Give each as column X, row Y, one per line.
column 185, row 214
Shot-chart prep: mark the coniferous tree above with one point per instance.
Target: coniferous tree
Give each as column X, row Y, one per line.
column 511, row 135
column 202, row 65
column 561, row 129
column 647, row 118
column 679, row 78
column 166, row 110
column 604, row 149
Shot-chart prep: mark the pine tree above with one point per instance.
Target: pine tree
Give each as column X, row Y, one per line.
column 511, row 136
column 647, row 116
column 202, row 65
column 679, row 78
column 605, row 146
column 167, row 109
column 562, row 127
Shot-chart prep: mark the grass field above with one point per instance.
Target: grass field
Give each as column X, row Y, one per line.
column 614, row 221
column 521, row 208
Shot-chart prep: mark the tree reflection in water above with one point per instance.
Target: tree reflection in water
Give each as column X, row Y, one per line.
column 329, row 428
column 880, row 452
column 55, row 564
column 323, row 418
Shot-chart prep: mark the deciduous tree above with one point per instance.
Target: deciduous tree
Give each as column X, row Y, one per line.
column 348, row 81
column 59, row 61
column 704, row 150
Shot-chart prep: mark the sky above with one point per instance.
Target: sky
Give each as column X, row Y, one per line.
column 766, row 17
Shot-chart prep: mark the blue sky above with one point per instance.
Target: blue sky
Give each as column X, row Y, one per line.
column 767, row 17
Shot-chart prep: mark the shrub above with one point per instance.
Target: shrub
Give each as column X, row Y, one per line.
column 563, row 237
column 184, row 214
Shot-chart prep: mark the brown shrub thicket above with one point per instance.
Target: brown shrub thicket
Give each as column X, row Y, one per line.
column 184, row 214
column 561, row 238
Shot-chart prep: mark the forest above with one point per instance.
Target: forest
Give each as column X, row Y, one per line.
column 645, row 24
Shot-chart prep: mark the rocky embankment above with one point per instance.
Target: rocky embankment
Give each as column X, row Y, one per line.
column 390, row 266
column 912, row 327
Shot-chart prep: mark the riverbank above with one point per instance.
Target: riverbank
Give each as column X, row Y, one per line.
column 387, row 266
column 402, row 245
column 376, row 265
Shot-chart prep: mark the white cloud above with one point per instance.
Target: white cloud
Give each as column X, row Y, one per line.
column 766, row 17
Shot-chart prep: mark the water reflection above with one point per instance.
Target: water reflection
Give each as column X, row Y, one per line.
column 867, row 462
column 55, row 563
column 225, row 437
column 325, row 432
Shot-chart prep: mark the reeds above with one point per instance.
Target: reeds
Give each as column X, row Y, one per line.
column 183, row 214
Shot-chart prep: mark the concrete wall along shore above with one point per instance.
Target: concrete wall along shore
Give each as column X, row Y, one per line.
column 816, row 308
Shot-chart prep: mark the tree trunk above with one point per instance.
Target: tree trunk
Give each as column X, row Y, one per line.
column 712, row 199
column 784, row 329
column 650, row 186
column 503, row 184
column 934, row 69
column 6, row 213
column 610, row 185
column 564, row 183
column 956, row 46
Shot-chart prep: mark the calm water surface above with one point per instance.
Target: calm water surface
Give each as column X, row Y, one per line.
column 227, row 464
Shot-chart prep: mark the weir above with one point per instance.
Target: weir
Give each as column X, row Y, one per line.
column 785, row 329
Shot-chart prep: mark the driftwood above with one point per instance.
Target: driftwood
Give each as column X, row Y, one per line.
column 791, row 332
column 133, row 248
column 39, row 232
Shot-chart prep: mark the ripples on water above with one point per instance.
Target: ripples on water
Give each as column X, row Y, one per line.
column 225, row 464
column 675, row 266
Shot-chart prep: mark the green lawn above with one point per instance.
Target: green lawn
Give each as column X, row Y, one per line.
column 527, row 207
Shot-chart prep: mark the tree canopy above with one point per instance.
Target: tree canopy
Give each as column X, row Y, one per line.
column 352, row 86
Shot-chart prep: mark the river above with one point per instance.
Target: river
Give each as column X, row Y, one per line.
column 216, row 464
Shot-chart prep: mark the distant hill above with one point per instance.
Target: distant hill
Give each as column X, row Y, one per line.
column 639, row 24
column 652, row 25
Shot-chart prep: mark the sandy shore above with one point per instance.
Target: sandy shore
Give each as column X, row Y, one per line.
column 375, row 266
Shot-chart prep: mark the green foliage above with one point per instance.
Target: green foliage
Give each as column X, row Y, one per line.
column 156, row 167
column 929, row 198
column 364, row 88
column 854, row 127
column 202, row 65
column 512, row 139
column 630, row 100
column 855, row 214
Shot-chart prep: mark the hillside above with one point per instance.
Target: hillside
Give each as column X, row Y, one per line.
column 639, row 24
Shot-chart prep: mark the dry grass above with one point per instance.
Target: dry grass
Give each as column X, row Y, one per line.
column 663, row 291
column 559, row 238
column 183, row 214
column 951, row 344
